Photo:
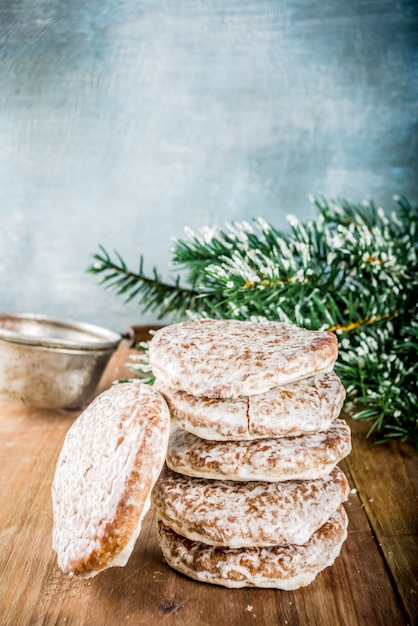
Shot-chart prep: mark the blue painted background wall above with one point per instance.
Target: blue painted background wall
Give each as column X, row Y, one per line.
column 123, row 122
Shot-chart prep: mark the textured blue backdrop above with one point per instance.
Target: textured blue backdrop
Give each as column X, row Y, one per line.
column 123, row 122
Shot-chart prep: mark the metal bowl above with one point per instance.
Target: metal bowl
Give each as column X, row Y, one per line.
column 52, row 363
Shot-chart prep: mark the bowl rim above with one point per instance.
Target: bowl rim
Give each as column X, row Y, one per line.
column 100, row 338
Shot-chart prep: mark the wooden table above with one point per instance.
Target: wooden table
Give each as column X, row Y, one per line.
column 374, row 581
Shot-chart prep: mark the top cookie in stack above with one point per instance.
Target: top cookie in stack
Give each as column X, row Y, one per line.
column 253, row 405
column 230, row 358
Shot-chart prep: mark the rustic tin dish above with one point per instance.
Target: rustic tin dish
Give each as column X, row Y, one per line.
column 49, row 362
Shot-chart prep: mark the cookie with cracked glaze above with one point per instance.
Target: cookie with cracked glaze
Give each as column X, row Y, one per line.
column 306, row 406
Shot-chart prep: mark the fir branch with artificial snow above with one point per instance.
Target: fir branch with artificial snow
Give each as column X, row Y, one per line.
column 352, row 270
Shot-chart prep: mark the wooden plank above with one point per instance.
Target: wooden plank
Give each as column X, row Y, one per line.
column 355, row 591
column 386, row 477
column 401, row 555
column 394, row 512
column 147, row 589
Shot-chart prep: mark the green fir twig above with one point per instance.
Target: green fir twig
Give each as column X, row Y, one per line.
column 352, row 270
column 156, row 295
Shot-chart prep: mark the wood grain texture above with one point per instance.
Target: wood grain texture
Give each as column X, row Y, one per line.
column 386, row 478
column 367, row 585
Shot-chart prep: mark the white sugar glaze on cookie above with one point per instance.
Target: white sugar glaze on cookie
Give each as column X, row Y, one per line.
column 306, row 406
column 243, row 514
column 278, row 567
column 111, row 457
column 287, row 458
column 211, row 418
column 230, row 358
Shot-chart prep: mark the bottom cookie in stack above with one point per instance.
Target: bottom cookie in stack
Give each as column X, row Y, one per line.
column 286, row 567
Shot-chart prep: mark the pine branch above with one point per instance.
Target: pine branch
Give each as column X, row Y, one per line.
column 154, row 294
column 352, row 270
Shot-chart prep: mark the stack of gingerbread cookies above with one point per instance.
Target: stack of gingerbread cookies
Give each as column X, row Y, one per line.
column 251, row 494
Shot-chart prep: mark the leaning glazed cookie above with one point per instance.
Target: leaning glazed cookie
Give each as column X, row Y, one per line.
column 305, row 406
column 231, row 358
column 243, row 514
column 111, row 457
column 279, row 567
